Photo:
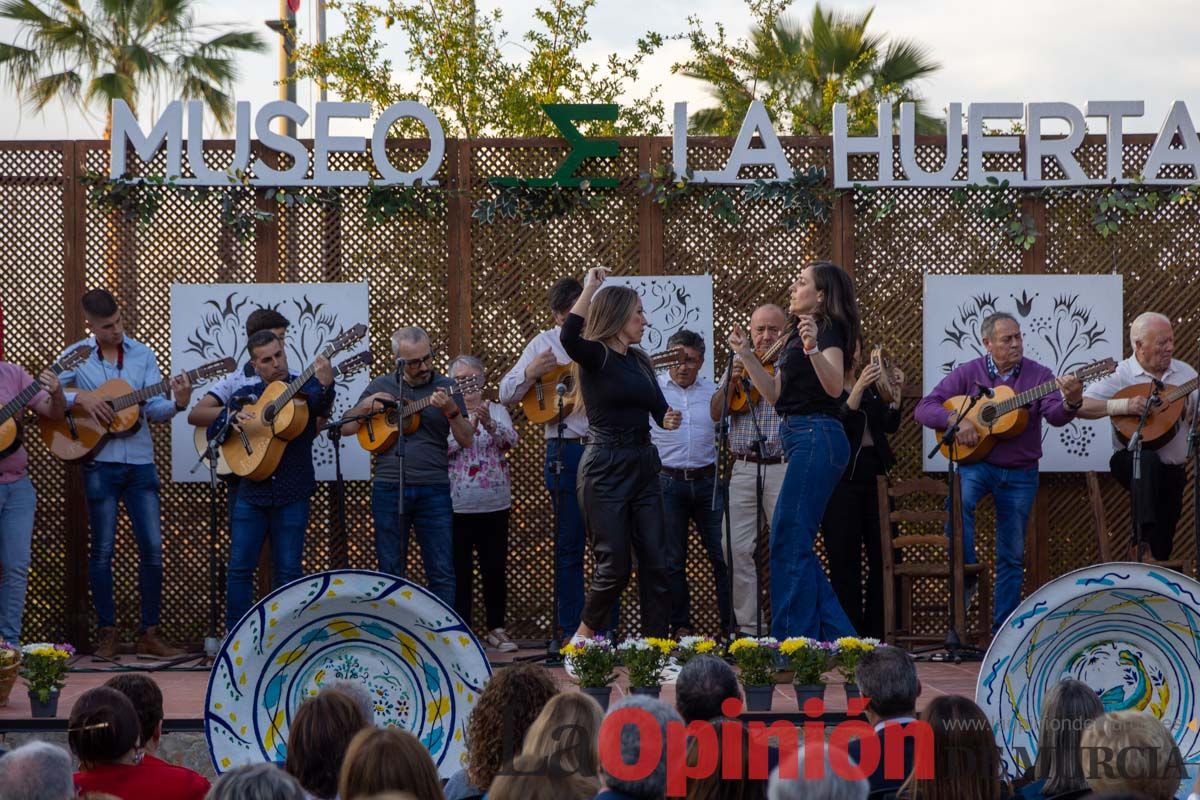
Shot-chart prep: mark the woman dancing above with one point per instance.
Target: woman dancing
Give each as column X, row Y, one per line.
column 806, row 390
column 619, row 491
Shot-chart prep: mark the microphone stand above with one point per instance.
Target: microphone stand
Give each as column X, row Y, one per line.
column 1192, row 446
column 399, row 448
column 760, row 511
column 721, row 431
column 340, row 559
column 1135, row 483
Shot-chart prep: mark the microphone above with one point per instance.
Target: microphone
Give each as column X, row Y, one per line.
column 986, row 391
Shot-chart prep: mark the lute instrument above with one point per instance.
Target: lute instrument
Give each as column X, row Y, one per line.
column 1163, row 419
column 380, row 431
column 347, row 366
column 1004, row 415
column 78, row 435
column 541, row 401
column 744, row 397
column 10, row 419
column 276, row 418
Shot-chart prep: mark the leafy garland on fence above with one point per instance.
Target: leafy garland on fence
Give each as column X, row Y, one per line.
column 804, row 198
column 529, row 205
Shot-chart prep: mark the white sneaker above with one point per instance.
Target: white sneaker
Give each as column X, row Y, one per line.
column 576, row 639
column 670, row 672
column 498, row 638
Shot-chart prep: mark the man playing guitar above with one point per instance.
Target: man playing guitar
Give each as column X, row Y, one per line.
column 1009, row 472
column 277, row 507
column 1164, row 470
column 427, row 503
column 123, row 469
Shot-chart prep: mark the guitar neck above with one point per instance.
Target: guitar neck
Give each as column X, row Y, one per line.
column 289, row 393
column 1181, row 391
column 140, row 396
column 14, row 406
column 1026, row 397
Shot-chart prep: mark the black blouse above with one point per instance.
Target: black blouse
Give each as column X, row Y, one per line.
column 800, row 390
column 617, row 389
column 873, row 414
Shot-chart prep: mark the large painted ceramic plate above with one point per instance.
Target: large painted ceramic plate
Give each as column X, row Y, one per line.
column 420, row 662
column 1130, row 631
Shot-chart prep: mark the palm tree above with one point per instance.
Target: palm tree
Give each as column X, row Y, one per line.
column 122, row 50
column 799, row 72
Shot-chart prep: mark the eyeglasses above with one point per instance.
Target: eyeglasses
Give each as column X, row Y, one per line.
column 418, row 362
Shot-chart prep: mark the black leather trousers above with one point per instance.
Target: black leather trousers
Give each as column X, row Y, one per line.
column 622, row 506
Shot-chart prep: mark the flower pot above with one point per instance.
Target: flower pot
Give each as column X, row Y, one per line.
column 758, row 698
column 648, row 691
column 8, row 677
column 600, row 694
column 852, row 692
column 805, row 691
column 47, row 709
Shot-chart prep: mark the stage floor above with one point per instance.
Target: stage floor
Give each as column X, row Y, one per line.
column 184, row 690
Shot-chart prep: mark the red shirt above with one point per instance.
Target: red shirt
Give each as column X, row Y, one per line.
column 153, row 779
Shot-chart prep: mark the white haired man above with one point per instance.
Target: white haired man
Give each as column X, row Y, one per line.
column 1164, row 471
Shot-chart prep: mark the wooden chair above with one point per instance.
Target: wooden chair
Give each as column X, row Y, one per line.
column 1104, row 538
column 909, row 571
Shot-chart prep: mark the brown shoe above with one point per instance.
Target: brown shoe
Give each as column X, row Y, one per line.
column 109, row 643
column 151, row 644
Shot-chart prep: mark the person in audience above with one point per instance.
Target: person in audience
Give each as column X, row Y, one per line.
column 511, row 701
column 1070, row 706
column 654, row 785
column 319, row 734
column 147, row 701
column 562, row 742
column 966, row 761
column 105, row 735
column 358, row 692
column 888, row 678
column 704, row 683
column 256, row 782
column 388, row 760
column 531, row 779
column 1140, row 744
column 730, row 777
column 831, row 785
column 36, row 771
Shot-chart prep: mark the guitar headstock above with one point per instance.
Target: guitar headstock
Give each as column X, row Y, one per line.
column 344, row 340
column 354, row 363
column 214, row 368
column 667, row 358
column 74, row 358
column 1097, row 369
column 468, row 384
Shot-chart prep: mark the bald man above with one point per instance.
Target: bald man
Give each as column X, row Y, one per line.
column 749, row 454
column 1164, row 471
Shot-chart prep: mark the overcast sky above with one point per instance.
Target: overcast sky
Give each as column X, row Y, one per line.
column 1017, row 50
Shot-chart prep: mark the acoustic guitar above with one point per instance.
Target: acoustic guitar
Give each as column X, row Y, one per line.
column 10, row 427
column 541, row 401
column 345, row 367
column 380, row 431
column 78, row 435
column 1163, row 419
column 745, row 393
column 277, row 418
column 1004, row 416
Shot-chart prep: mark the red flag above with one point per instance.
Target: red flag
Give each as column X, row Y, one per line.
column 294, row 5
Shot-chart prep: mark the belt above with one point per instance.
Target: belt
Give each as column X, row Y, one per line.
column 617, row 438
column 693, row 474
column 753, row 459
column 570, row 439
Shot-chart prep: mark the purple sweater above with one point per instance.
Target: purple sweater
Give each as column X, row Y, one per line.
column 1020, row 452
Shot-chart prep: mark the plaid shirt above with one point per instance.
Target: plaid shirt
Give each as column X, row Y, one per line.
column 742, row 432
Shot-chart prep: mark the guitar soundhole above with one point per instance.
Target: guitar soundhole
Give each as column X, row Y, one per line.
column 391, row 416
column 987, row 415
column 269, row 414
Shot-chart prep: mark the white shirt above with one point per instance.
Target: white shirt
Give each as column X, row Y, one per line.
column 693, row 444
column 1129, row 372
column 514, row 385
column 224, row 389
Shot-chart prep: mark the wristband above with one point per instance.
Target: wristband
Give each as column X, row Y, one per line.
column 1117, row 408
column 179, row 408
column 813, row 352
column 1073, row 406
column 455, row 415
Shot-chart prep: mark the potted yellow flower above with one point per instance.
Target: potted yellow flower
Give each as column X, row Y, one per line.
column 849, row 650
column 44, row 668
column 808, row 659
column 644, row 660
column 10, row 663
column 692, row 646
column 593, row 661
column 756, row 660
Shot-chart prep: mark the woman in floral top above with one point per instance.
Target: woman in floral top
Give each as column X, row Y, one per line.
column 481, row 490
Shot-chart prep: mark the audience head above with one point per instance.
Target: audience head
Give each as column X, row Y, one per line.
column 888, row 678
column 356, row 691
column 704, row 683
column 1070, row 707
column 729, row 780
column 256, row 782
column 388, row 760
column 532, row 779
column 563, row 741
column 36, row 771
column 830, row 786
column 147, row 701
column 508, row 705
column 103, row 728
column 1141, row 756
column 320, row 733
column 654, row 785
column 966, row 760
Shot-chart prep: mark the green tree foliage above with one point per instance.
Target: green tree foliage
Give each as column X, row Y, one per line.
column 457, row 61
column 120, row 50
column 800, row 71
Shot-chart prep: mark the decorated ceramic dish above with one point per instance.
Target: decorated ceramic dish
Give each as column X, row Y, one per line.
column 419, row 661
column 1130, row 631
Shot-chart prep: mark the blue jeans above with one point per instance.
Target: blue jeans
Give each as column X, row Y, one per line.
column 430, row 511
column 18, row 502
column 252, row 525
column 685, row 502
column 106, row 484
column 802, row 600
column 1013, row 491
